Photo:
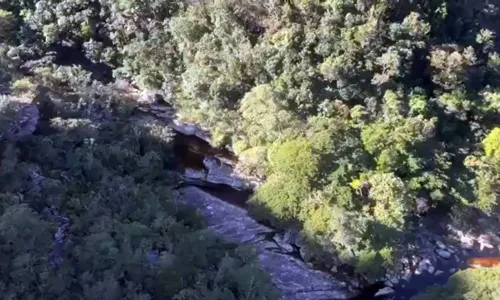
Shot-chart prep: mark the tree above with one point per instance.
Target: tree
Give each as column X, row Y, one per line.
column 87, row 209
column 264, row 116
column 491, row 143
column 477, row 284
column 280, row 197
column 294, row 159
column 344, row 109
column 391, row 200
column 7, row 24
column 253, row 162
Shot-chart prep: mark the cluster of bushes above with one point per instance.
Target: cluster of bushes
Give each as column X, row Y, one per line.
column 88, row 210
column 472, row 284
column 349, row 109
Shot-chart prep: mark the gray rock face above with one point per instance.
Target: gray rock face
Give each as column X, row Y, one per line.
column 290, row 275
column 221, row 173
column 218, row 172
column 283, row 243
column 384, row 292
column 195, row 175
column 218, row 169
column 189, row 129
column 443, row 253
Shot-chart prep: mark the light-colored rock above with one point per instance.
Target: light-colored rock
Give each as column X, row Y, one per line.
column 305, row 253
column 384, row 292
column 269, row 245
column 415, row 260
column 439, row 272
column 405, row 261
column 285, row 247
column 394, row 280
column 424, row 266
column 355, row 283
column 333, row 269
column 467, row 244
column 289, row 236
column 195, row 174
column 430, row 269
column 484, row 242
column 220, row 173
column 149, row 97
column 441, row 245
column 189, row 129
column 290, row 275
column 443, row 253
column 422, row 205
column 407, row 275
column 466, row 239
column 452, row 270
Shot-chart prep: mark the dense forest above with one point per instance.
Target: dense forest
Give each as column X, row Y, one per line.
column 352, row 112
column 87, row 211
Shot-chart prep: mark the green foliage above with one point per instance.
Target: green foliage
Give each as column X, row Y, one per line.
column 264, row 117
column 253, row 162
column 486, row 169
column 281, row 195
column 392, row 202
column 369, row 262
column 491, row 143
column 294, row 159
column 347, row 109
column 23, row 85
column 7, row 24
column 471, row 284
column 87, row 209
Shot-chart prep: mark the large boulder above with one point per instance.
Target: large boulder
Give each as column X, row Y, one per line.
column 189, row 129
column 217, row 172
column 291, row 276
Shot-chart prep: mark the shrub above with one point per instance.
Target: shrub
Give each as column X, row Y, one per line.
column 471, row 284
column 281, row 195
column 293, row 158
column 253, row 162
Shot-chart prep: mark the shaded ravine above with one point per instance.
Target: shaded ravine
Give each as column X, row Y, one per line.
column 212, row 169
column 224, row 210
column 291, row 276
column 191, row 151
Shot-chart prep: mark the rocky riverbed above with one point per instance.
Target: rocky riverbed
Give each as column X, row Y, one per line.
column 291, row 275
column 434, row 250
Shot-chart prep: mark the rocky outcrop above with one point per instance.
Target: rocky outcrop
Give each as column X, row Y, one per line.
column 421, row 205
column 384, row 292
column 189, row 129
column 218, row 170
column 487, row 240
column 290, row 275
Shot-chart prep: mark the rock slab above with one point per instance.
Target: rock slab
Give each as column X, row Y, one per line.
column 290, row 275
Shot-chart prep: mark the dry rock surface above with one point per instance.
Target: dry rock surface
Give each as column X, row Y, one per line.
column 291, row 275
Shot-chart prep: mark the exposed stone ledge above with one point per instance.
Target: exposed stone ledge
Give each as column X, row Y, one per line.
column 218, row 170
column 291, row 276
